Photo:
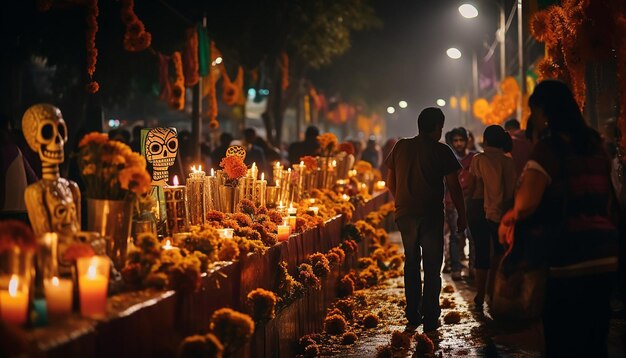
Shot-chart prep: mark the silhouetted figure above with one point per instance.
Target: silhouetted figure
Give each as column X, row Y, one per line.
column 220, row 151
column 521, row 144
column 135, row 143
column 371, row 153
column 492, row 184
column 563, row 201
column 120, row 135
column 309, row 146
column 417, row 168
column 254, row 153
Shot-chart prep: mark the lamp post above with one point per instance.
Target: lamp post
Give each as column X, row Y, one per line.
column 469, row 11
column 456, row 54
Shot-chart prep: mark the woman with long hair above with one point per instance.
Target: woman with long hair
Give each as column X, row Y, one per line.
column 566, row 188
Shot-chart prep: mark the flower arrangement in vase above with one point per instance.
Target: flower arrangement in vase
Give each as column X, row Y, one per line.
column 114, row 176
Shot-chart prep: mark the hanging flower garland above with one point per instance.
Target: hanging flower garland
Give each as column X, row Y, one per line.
column 136, row 37
column 284, row 70
column 92, row 51
column 231, row 90
column 177, row 99
column 213, row 77
column 190, row 58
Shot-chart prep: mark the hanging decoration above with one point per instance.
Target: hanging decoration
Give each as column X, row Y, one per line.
column 502, row 106
column 284, row 70
column 177, row 98
column 232, row 91
column 209, row 81
column 136, row 38
column 90, row 37
column 190, row 58
column 164, row 77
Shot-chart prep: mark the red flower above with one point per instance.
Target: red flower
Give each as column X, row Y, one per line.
column 234, row 167
column 15, row 233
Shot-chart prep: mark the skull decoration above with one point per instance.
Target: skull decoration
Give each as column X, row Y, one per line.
column 236, row 151
column 161, row 147
column 45, row 132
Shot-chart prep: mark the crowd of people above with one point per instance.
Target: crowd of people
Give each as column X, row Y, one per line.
column 539, row 210
column 545, row 199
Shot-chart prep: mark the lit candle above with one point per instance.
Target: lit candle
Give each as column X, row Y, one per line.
column 313, row 210
column 93, row 280
column 283, row 232
column 379, row 186
column 58, row 296
column 311, row 200
column 196, row 192
column 175, row 207
column 226, row 233
column 291, row 210
column 14, row 302
column 259, row 191
column 352, row 173
column 345, row 197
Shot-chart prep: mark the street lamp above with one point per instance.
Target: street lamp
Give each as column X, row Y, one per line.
column 468, row 11
column 441, row 102
column 454, row 53
column 391, row 110
column 402, row 104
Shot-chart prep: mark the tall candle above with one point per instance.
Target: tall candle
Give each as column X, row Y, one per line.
column 211, row 198
column 58, row 296
column 292, row 223
column 283, row 232
column 259, row 191
column 93, row 280
column 196, row 204
column 14, row 301
column 175, row 207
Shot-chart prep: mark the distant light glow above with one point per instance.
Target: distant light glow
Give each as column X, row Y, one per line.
column 264, row 91
column 391, row 110
column 114, row 123
column 454, row 53
column 251, row 92
column 468, row 11
column 441, row 102
column 402, row 104
column 218, row 60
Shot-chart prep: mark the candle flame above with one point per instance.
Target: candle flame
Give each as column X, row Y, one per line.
column 212, row 172
column 277, row 182
column 280, row 203
column 262, row 176
column 55, row 281
column 13, row 283
column 175, row 180
column 291, row 205
column 277, row 165
column 91, row 271
column 301, row 163
column 289, row 170
column 193, row 168
column 334, row 163
column 254, row 165
column 168, row 245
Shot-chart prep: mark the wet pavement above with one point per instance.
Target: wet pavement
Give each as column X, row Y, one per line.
column 475, row 335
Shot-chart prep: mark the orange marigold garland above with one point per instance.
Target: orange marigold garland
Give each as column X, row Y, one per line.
column 92, row 51
column 284, row 70
column 136, row 38
column 212, row 78
column 190, row 57
column 177, row 99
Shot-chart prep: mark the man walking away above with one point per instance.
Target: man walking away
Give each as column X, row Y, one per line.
column 417, row 169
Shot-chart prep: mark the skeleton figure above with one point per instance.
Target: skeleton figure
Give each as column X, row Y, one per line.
column 53, row 203
column 161, row 148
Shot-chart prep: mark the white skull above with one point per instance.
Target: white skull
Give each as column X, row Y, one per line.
column 45, row 131
column 161, row 147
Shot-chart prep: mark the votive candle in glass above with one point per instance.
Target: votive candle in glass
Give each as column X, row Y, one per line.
column 226, row 233
column 93, row 281
column 196, row 204
column 175, row 207
column 58, row 296
column 283, row 232
column 14, row 300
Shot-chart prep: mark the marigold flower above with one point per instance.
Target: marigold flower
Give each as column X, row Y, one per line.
column 232, row 328
column 234, row 167
column 262, row 304
column 93, row 138
column 309, row 162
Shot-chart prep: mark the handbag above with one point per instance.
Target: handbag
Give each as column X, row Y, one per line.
column 520, row 281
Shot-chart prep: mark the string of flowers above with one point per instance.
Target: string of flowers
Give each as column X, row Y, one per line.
column 212, row 78
column 177, row 99
column 284, row 70
column 90, row 39
column 136, row 38
column 232, row 90
column 190, row 57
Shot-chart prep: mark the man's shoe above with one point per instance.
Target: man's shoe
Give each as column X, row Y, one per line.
column 431, row 326
column 456, row 276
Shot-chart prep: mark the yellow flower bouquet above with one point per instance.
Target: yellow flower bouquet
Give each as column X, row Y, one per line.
column 110, row 169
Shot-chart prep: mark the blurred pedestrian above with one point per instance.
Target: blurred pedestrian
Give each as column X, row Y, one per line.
column 371, row 153
column 220, row 151
column 566, row 190
column 492, row 184
column 417, row 169
column 521, row 144
column 309, row 146
column 254, row 153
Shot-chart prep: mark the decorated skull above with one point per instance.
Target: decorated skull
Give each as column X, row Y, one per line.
column 45, row 132
column 161, row 147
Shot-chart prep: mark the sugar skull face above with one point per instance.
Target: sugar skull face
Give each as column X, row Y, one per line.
column 161, row 147
column 236, row 151
column 45, row 132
